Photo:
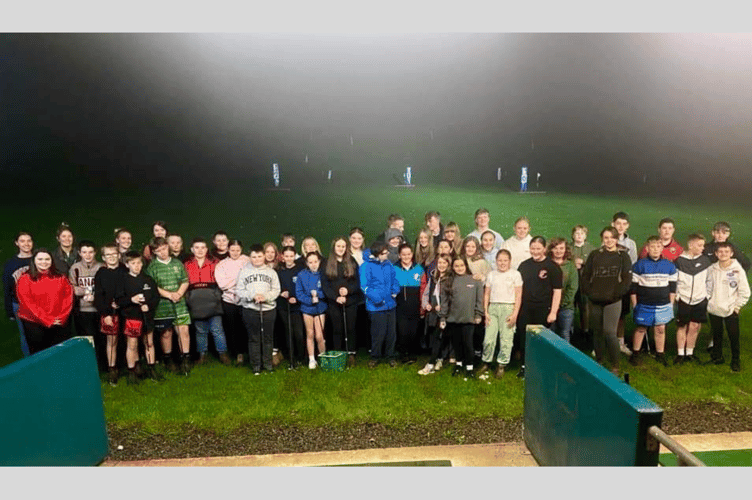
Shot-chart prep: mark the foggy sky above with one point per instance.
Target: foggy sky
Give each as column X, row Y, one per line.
column 581, row 108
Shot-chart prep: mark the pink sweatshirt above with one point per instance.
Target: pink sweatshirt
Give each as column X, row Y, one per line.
column 226, row 274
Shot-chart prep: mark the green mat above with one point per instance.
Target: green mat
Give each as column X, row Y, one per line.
column 724, row 458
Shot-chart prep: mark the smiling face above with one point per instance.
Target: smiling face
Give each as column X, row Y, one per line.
column 25, row 243
column 406, row 256
column 458, row 266
column 289, row 258
column 43, row 261
column 124, row 241
column 220, row 242
column 312, row 261
column 309, row 245
column 288, row 241
column 503, row 262
column 521, row 229
column 444, row 247
column 442, row 264
column 87, row 254
column 696, row 247
column 487, row 241
column 65, row 238
column 724, row 254
column 158, row 231
column 423, row 239
column 450, row 234
column 537, row 251
column 609, row 241
column 559, row 250
column 110, row 256
column 235, row 251
column 270, row 254
column 482, row 220
column 356, row 241
column 470, row 248
column 340, row 247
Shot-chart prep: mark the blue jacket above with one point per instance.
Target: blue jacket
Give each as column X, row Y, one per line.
column 408, row 299
column 308, row 281
column 378, row 280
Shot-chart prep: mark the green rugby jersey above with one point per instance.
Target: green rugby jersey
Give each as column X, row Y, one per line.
column 169, row 277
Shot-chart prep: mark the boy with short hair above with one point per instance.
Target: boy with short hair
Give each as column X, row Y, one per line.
column 221, row 243
column 691, row 296
column 204, row 300
column 171, row 312
column 729, row 291
column 81, row 276
column 137, row 298
column 620, row 222
column 671, row 249
column 257, row 291
column 175, row 242
column 721, row 233
column 288, row 240
column 433, row 223
column 394, row 221
column 652, row 296
column 106, row 282
column 393, row 240
column 482, row 221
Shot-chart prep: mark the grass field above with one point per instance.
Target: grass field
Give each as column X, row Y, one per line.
column 220, row 398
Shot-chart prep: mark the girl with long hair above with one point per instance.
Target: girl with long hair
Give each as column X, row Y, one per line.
column 341, row 284
column 558, row 250
column 312, row 304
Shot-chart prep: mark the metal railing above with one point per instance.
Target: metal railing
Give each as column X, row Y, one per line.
column 656, row 437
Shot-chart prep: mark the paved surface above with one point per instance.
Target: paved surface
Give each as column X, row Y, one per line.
column 474, row 455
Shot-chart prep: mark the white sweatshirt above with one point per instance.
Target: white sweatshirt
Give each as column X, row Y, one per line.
column 257, row 280
column 728, row 289
column 520, row 249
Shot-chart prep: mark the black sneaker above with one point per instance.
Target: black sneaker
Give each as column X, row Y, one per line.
column 132, row 377
column 635, row 359
column 735, row 366
column 470, row 374
column 169, row 364
column 372, row 364
column 457, row 370
column 661, row 358
column 679, row 359
column 691, row 358
column 185, row 365
column 113, row 376
column 483, row 369
column 393, row 363
column 152, row 374
column 521, row 373
column 718, row 361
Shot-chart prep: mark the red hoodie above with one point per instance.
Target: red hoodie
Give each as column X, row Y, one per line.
column 45, row 300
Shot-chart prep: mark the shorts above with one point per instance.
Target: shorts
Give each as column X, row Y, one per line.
column 697, row 313
column 650, row 315
column 166, row 323
column 133, row 328
column 110, row 330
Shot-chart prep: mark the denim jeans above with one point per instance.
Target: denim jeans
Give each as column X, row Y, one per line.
column 203, row 327
column 24, row 344
column 563, row 324
column 383, row 334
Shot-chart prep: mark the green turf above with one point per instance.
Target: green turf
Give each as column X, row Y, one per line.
column 220, row 398
column 418, row 463
column 724, row 458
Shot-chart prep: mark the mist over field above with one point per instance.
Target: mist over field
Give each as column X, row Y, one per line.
column 663, row 114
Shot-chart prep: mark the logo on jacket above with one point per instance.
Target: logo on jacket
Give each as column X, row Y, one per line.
column 416, row 276
column 543, row 274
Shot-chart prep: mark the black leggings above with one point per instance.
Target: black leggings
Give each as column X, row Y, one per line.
column 408, row 342
column 530, row 314
column 338, row 316
column 40, row 337
column 462, row 339
column 235, row 332
column 293, row 320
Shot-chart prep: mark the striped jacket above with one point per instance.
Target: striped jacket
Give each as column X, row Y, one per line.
column 692, row 273
column 653, row 281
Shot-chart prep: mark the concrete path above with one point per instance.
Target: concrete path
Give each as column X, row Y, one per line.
column 474, row 455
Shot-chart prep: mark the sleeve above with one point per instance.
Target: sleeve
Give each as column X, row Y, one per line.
column 64, row 302
column 424, row 291
column 445, row 301
column 710, row 282
column 626, row 275
column 301, row 294
column 587, row 272
column 353, row 285
column 327, row 286
column 223, row 279
column 479, row 294
column 100, row 302
column 275, row 289
column 395, row 284
column 241, row 291
column 571, row 286
column 632, row 249
column 153, row 300
column 370, row 291
column 556, row 276
column 23, row 289
column 184, row 275
column 635, row 277
column 79, row 291
column 673, row 275
column 121, row 299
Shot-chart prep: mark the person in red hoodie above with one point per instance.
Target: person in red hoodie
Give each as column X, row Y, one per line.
column 45, row 301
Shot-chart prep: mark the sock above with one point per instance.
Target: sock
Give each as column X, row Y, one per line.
column 458, row 363
column 311, row 358
column 469, row 368
column 621, row 341
column 132, row 369
column 680, row 352
column 429, row 366
column 690, row 351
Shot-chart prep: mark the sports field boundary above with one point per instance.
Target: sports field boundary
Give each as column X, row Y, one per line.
column 475, row 455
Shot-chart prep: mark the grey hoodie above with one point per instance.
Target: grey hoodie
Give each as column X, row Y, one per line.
column 81, row 277
column 466, row 301
column 257, row 280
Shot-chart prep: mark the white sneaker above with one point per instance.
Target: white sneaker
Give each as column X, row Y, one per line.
column 438, row 365
column 428, row 369
column 625, row 350
column 312, row 365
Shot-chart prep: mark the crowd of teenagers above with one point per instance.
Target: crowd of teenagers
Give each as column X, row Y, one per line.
column 463, row 301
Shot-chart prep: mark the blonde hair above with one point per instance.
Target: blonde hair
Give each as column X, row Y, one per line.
column 457, row 243
column 306, row 239
column 424, row 256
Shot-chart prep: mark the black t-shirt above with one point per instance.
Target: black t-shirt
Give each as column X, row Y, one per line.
column 539, row 279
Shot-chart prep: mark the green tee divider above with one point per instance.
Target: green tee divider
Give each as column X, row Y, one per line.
column 51, row 410
column 578, row 413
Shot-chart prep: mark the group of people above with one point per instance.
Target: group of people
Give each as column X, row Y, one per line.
column 463, row 300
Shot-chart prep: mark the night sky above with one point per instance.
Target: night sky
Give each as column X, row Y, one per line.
column 588, row 111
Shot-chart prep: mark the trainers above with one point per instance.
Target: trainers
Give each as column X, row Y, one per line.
column 710, row 346
column 185, row 365
column 661, row 358
column 692, row 359
column 277, row 358
column 735, row 366
column 372, row 363
column 426, row 370
column 393, row 363
column 169, row 363
column 202, row 359
column 132, row 377
column 239, row 360
column 521, row 373
column 113, row 376
column 499, row 371
column 635, row 359
column 457, row 370
column 483, row 369
column 312, row 364
column 718, row 361
column 351, row 360
column 438, row 365
column 625, row 350
column 224, row 359
column 679, row 359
